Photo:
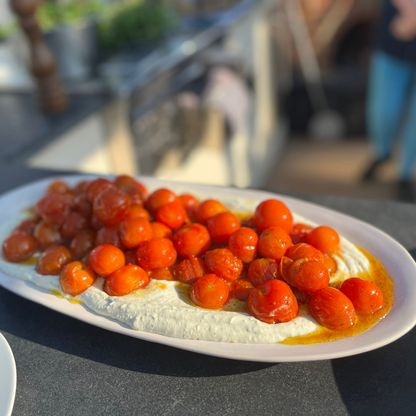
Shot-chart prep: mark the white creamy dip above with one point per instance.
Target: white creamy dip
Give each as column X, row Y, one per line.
column 163, row 309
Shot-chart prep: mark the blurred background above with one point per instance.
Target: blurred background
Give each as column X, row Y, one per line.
column 270, row 94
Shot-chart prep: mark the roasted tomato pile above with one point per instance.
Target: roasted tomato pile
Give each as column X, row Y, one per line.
column 119, row 231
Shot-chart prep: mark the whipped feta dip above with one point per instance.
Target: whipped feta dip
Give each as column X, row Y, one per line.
column 163, row 307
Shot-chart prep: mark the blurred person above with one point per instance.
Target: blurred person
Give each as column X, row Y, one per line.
column 391, row 106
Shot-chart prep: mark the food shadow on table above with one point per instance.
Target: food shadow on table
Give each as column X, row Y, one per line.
column 53, row 330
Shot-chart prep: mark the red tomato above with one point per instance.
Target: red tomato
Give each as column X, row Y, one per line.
column 126, row 280
column 96, row 187
column 163, row 273
column 332, row 309
column 82, row 205
column 161, row 231
column 221, row 226
column 261, row 270
column 82, row 243
column 28, row 226
column 95, row 224
column 299, row 233
column 46, row 235
column 330, row 264
column 190, row 270
column 53, row 260
column 106, row 259
column 18, row 247
column 134, row 231
column 304, row 251
column 173, row 215
column 209, row 209
column 273, row 243
column 81, row 187
column 123, row 181
column 243, row 243
column 76, row 277
column 58, row 187
column 273, row 213
column 210, row 292
column 159, row 198
column 273, row 302
column 111, row 206
column 54, row 208
column 241, row 289
column 156, row 254
column 366, row 297
column 74, row 223
column 324, row 239
column 109, row 235
column 137, row 211
column 190, row 203
column 192, row 240
column 224, row 264
column 130, row 256
column 135, row 194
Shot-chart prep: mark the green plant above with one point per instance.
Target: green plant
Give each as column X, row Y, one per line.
column 6, row 31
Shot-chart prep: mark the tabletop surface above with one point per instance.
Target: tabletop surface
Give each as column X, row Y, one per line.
column 67, row 367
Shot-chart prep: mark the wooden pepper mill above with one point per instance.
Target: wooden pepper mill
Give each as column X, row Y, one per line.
column 52, row 97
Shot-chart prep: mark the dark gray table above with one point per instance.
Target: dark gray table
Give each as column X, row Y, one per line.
column 66, row 367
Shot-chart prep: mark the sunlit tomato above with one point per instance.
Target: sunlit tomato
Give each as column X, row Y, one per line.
column 53, row 260
column 135, row 194
column 28, row 226
column 54, row 208
column 173, row 215
column 76, row 277
column 190, row 270
column 81, row 187
column 156, row 253
column 209, row 209
column 161, row 230
column 330, row 264
column 261, row 270
column 364, row 295
column 224, row 264
column 273, row 213
column 82, row 205
column 74, row 223
column 332, row 309
column 58, row 187
column 106, row 259
column 307, row 275
column 126, row 280
column 299, row 232
column 137, row 211
column 111, row 206
column 159, row 198
column 190, row 203
column 109, row 235
column 324, row 239
column 46, row 235
column 18, row 247
column 192, row 240
column 273, row 302
column 221, row 226
column 210, row 292
column 134, row 231
column 273, row 243
column 130, row 256
column 163, row 273
column 243, row 244
column 304, row 251
column 96, row 187
column 241, row 289
column 82, row 243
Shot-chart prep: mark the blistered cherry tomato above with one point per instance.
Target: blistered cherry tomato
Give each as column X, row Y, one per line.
column 190, row 270
column 134, row 231
column 304, row 251
column 28, row 226
column 82, row 243
column 221, row 226
column 159, row 198
column 332, row 309
column 163, row 273
column 53, row 260
column 366, row 297
column 243, row 244
column 109, row 235
column 330, row 264
column 249, row 222
column 209, row 209
column 123, row 181
column 54, row 208
column 96, row 187
column 161, row 230
column 95, row 224
column 18, row 247
column 130, row 256
column 81, row 187
column 173, row 215
column 210, row 292
column 299, row 233
column 82, row 205
column 192, row 240
column 273, row 213
column 224, row 264
column 261, row 270
column 273, row 302
column 156, row 253
column 273, row 243
column 190, row 203
column 74, row 223
column 137, row 211
column 135, row 194
column 324, row 239
column 241, row 289
column 106, row 259
column 58, row 187
column 126, row 280
column 46, row 235
column 76, row 277
column 111, row 206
